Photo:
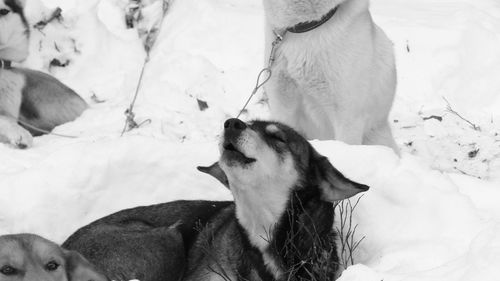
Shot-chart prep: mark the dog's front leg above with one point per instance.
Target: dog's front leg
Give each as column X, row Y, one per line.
column 381, row 135
column 347, row 127
column 12, row 133
column 284, row 99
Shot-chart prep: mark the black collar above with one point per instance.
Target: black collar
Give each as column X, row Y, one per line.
column 310, row 25
column 5, row 64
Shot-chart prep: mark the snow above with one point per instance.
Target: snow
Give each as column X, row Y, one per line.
column 447, row 49
column 430, row 215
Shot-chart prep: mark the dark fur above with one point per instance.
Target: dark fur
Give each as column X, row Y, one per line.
column 304, row 242
column 203, row 238
column 44, row 91
column 147, row 243
column 121, row 245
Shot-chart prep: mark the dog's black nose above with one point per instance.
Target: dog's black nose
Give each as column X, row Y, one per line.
column 235, row 124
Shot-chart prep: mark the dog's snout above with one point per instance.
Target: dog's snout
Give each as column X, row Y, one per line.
column 234, row 124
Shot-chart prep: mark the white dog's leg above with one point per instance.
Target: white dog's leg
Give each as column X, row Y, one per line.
column 284, row 100
column 381, row 135
column 11, row 85
column 12, row 133
column 348, row 131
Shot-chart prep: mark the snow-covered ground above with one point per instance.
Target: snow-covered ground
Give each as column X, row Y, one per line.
column 431, row 215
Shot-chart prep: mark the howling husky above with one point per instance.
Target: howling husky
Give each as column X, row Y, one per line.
column 279, row 227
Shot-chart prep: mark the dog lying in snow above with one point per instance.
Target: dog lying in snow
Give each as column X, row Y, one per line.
column 279, row 226
column 334, row 73
column 28, row 257
column 35, row 100
column 142, row 243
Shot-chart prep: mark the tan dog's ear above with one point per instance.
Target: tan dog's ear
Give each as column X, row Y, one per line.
column 216, row 172
column 333, row 184
column 79, row 269
column 21, row 3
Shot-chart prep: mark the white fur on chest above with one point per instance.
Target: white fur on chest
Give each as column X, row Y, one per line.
column 259, row 212
column 330, row 64
column 261, row 202
column 336, row 81
column 259, row 207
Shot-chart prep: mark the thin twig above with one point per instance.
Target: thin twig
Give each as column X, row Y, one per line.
column 452, row 111
column 129, row 113
column 149, row 43
column 347, row 231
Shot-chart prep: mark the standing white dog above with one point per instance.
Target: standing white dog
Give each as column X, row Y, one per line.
column 334, row 74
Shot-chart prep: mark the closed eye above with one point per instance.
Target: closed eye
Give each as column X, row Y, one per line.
column 8, row 270
column 279, row 136
column 275, row 133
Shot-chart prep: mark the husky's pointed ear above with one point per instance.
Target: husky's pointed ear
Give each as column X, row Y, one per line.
column 333, row 184
column 216, row 172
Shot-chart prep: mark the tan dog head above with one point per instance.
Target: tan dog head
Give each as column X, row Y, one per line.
column 281, row 14
column 28, row 257
column 14, row 31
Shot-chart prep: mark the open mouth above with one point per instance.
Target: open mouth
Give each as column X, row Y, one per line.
column 234, row 154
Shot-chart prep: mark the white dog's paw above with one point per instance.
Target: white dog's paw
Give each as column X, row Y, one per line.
column 23, row 142
column 21, row 138
column 16, row 136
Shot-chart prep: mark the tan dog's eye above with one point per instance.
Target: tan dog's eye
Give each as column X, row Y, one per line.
column 51, row 266
column 8, row 270
column 4, row 12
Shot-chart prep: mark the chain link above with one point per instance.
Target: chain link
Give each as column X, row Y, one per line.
column 266, row 73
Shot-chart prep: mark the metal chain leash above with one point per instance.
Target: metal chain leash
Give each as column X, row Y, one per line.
column 35, row 128
column 266, row 73
column 149, row 43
